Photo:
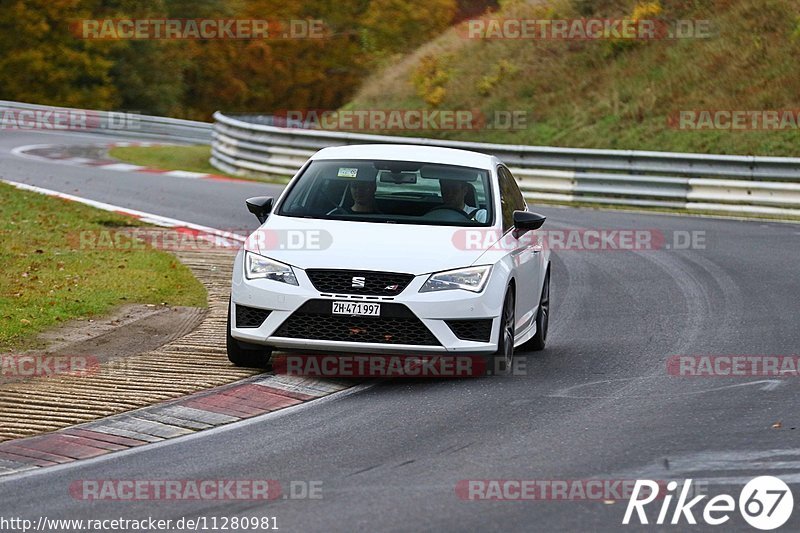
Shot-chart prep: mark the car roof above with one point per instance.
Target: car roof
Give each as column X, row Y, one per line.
column 408, row 152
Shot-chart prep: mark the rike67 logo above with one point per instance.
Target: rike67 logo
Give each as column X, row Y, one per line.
column 765, row 503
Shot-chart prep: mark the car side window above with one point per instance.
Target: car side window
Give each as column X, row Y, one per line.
column 511, row 198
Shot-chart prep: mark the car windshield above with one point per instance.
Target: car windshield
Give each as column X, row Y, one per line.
column 400, row 192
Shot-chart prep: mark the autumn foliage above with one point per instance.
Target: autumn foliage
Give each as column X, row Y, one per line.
column 42, row 59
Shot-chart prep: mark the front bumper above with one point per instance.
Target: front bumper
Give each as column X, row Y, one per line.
column 430, row 310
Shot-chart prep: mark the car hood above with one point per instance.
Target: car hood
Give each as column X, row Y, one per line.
column 311, row 243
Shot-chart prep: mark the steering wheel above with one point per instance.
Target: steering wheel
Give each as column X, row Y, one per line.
column 447, row 208
column 339, row 210
column 476, row 212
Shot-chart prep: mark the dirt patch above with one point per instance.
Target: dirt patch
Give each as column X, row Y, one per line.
column 131, row 330
column 58, row 151
column 128, row 331
column 152, row 355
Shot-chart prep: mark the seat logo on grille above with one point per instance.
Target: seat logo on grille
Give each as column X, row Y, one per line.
column 359, row 282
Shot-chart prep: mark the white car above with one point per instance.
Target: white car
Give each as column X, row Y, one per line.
column 402, row 250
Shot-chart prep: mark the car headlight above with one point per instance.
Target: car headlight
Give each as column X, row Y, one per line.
column 259, row 267
column 470, row 279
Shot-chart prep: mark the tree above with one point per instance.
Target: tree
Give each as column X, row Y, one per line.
column 391, row 26
column 44, row 62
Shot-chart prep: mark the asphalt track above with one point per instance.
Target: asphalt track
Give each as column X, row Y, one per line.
column 598, row 403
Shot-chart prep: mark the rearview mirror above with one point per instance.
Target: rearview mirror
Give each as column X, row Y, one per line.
column 260, row 206
column 528, row 221
column 398, row 178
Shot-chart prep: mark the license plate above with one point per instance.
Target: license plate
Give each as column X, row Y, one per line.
column 356, row 308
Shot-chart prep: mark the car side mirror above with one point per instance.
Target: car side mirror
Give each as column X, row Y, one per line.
column 527, row 221
column 260, row 206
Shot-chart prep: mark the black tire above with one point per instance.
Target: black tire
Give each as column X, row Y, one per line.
column 538, row 341
column 501, row 361
column 244, row 354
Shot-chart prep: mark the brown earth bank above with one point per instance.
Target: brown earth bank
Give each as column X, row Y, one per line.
column 135, row 357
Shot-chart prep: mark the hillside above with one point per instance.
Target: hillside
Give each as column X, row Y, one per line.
column 611, row 93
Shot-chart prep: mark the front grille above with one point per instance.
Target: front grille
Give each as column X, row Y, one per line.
column 396, row 325
column 375, row 283
column 250, row 317
column 471, row 330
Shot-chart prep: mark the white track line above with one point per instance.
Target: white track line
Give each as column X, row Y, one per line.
column 151, row 218
column 124, row 167
column 184, row 174
column 22, row 151
column 165, row 222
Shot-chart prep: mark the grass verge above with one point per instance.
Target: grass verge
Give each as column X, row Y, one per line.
column 48, row 277
column 192, row 158
column 610, row 93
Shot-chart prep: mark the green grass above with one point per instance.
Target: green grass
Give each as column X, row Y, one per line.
column 596, row 94
column 47, row 277
column 191, row 158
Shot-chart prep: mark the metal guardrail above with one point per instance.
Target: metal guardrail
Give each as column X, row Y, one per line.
column 699, row 182
column 22, row 116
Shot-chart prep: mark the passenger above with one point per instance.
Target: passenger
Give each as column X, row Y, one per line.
column 454, row 194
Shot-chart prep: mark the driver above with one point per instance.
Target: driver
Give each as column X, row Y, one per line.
column 454, row 193
column 363, row 193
